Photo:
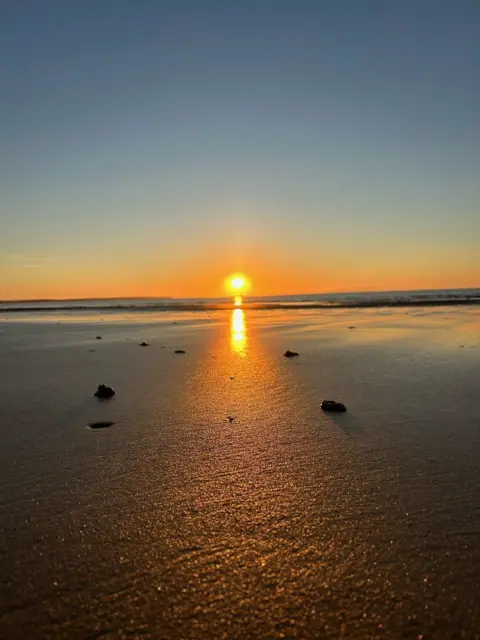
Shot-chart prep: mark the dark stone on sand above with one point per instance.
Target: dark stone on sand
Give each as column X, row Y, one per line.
column 231, row 418
column 179, row 351
column 290, row 354
column 101, row 425
column 143, row 344
column 104, row 391
column 352, row 327
column 99, row 337
column 332, row 405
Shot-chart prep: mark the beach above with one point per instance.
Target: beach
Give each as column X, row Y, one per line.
column 282, row 522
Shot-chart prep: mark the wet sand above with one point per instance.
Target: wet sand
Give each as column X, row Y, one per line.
column 286, row 522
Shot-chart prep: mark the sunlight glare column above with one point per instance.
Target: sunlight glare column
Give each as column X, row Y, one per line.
column 238, row 337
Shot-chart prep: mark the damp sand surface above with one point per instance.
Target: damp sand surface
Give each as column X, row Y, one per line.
column 285, row 522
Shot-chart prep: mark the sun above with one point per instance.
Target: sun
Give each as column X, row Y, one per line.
column 237, row 283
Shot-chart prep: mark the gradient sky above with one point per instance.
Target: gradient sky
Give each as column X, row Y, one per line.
column 151, row 147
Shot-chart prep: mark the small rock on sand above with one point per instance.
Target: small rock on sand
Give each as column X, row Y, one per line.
column 143, row 344
column 290, row 354
column 180, row 351
column 104, row 391
column 333, row 405
column 99, row 337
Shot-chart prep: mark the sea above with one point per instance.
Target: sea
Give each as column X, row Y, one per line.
column 317, row 300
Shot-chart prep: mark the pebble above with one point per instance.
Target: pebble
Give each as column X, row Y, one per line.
column 333, row 405
column 104, row 391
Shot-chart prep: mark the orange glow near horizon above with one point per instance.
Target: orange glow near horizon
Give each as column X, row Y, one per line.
column 200, row 276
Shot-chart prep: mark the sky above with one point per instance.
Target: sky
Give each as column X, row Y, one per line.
column 152, row 147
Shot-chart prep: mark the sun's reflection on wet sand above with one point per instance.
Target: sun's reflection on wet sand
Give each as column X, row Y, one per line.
column 238, row 333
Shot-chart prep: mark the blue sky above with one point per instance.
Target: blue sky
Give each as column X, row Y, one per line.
column 152, row 147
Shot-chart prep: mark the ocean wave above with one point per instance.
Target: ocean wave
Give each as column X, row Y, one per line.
column 318, row 301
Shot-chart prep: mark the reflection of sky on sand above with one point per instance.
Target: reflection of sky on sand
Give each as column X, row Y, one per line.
column 445, row 326
column 238, row 332
column 236, row 353
column 433, row 328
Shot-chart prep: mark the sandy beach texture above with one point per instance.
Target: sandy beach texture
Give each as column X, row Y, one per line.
column 285, row 522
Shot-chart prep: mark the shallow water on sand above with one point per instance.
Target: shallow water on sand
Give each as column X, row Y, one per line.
column 285, row 522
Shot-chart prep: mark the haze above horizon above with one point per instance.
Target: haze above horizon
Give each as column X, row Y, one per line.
column 154, row 148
